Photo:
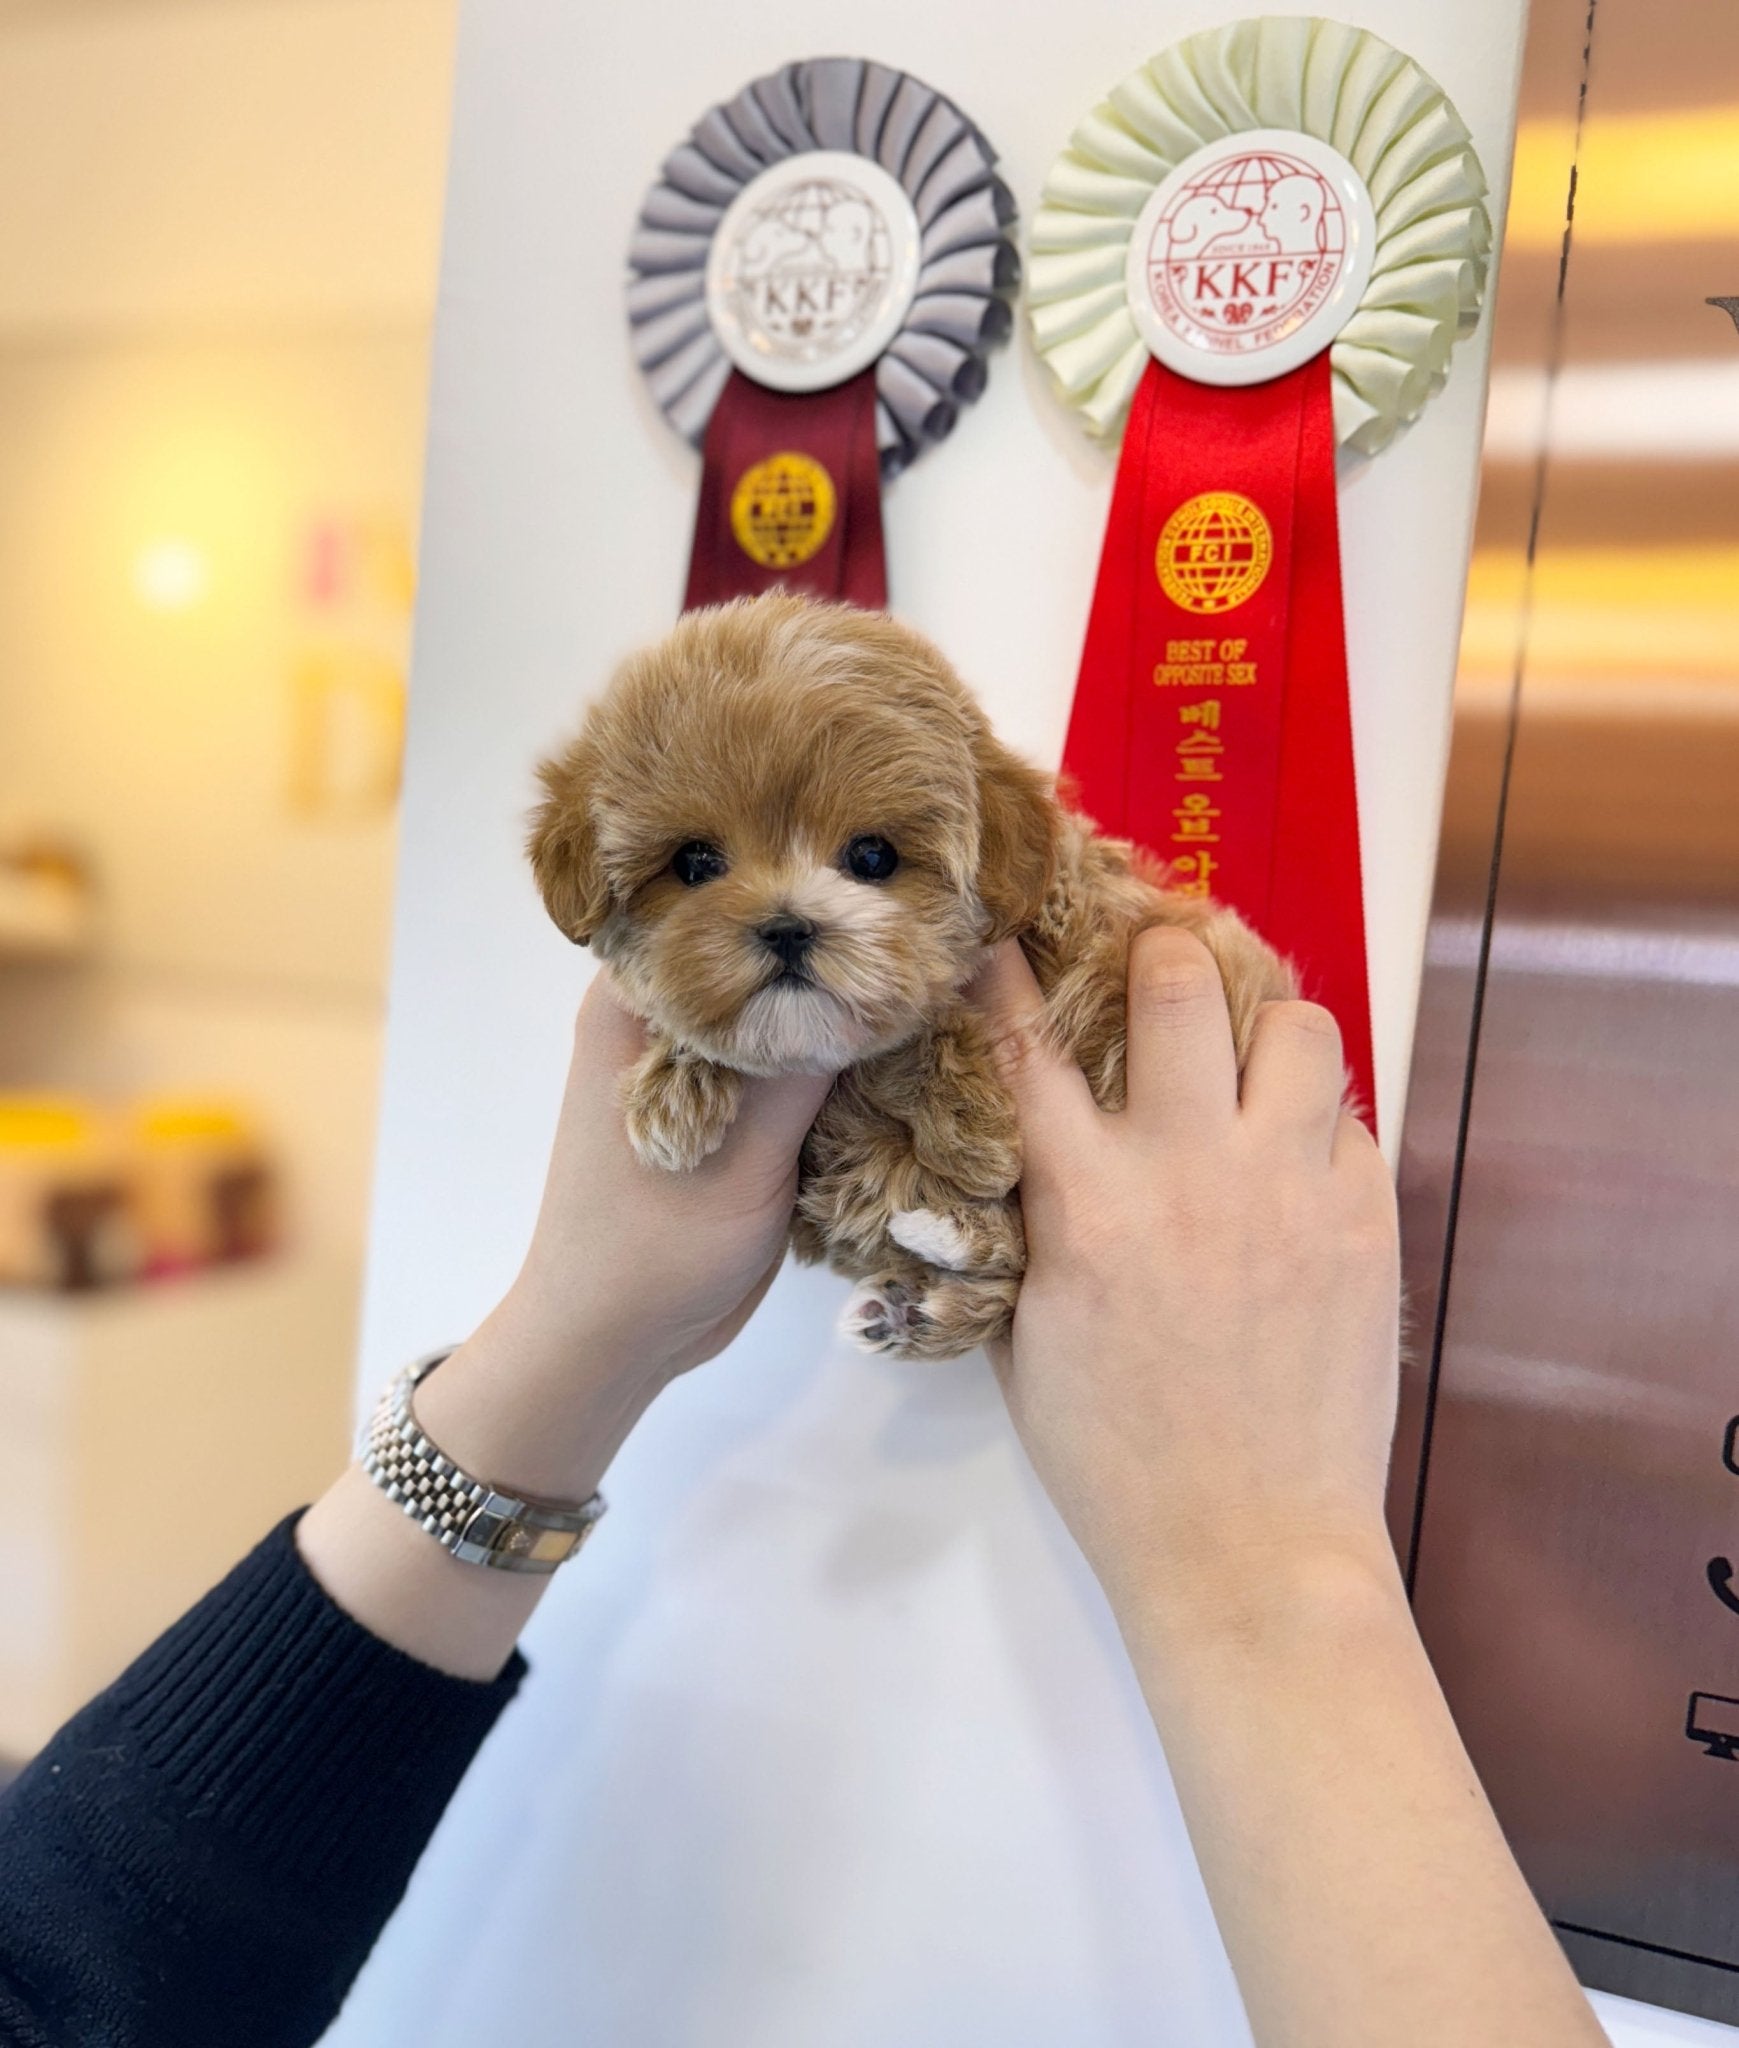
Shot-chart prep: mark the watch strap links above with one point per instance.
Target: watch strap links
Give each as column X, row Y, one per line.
column 476, row 1522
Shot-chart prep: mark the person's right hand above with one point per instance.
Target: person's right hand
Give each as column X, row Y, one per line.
column 1204, row 1358
column 1203, row 1368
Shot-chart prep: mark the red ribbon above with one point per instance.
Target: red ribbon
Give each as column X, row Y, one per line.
column 1211, row 720
column 767, row 519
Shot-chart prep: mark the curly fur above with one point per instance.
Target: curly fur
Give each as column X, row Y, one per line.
column 778, row 730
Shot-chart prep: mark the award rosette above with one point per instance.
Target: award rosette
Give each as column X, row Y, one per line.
column 817, row 277
column 1262, row 246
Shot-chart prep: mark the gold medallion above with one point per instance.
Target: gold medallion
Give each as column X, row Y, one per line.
column 1214, row 552
column 782, row 510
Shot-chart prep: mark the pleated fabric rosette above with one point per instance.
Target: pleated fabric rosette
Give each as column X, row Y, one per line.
column 1263, row 245
column 817, row 278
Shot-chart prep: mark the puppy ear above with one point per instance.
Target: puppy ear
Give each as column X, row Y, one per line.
column 1017, row 839
column 564, row 848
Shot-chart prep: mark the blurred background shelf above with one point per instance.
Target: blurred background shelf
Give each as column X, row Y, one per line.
column 42, row 918
column 152, row 1434
column 217, row 277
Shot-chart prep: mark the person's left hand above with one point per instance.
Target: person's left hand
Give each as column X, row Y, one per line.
column 633, row 1276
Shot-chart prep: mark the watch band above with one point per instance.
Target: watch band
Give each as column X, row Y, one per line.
column 478, row 1523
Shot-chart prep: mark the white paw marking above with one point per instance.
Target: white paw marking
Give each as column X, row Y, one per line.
column 937, row 1240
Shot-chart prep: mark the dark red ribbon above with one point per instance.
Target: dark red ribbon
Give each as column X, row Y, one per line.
column 835, row 429
column 1221, row 738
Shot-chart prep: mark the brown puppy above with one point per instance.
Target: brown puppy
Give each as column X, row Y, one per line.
column 791, row 833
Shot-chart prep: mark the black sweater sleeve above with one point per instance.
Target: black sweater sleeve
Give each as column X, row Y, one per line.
column 207, row 1853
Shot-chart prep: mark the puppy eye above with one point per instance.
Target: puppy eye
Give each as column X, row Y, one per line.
column 870, row 859
column 697, row 862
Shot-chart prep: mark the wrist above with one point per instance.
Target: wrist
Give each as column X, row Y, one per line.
column 554, row 1322
column 1258, row 1595
column 536, row 1406
column 390, row 1576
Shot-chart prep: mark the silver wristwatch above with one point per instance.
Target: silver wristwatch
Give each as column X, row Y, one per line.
column 477, row 1522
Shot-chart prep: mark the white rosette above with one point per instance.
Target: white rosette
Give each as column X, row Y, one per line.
column 967, row 267
column 1349, row 89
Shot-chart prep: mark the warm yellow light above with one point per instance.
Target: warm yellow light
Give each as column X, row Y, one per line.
column 171, row 575
column 1599, row 613
column 1641, row 178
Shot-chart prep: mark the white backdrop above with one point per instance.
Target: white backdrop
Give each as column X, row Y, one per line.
column 830, row 1741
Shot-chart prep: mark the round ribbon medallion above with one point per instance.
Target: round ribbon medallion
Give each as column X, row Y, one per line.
column 812, row 270
column 782, row 510
column 1250, row 256
column 1214, row 552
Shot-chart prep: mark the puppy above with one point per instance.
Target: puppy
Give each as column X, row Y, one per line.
column 792, row 834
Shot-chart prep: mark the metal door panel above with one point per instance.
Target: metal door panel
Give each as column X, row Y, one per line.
column 1567, row 1475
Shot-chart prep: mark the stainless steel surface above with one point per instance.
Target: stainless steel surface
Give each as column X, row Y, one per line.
column 470, row 1518
column 1567, row 1479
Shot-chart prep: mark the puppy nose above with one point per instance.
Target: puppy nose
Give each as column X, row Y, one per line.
column 787, row 936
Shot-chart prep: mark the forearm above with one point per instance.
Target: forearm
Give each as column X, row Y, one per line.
column 1364, row 1891
column 535, row 1409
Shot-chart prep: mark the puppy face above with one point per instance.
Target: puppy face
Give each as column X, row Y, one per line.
column 790, row 832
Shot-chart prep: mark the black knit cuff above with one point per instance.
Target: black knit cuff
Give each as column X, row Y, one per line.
column 285, row 1722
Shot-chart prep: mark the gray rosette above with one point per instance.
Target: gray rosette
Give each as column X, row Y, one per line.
column 968, row 265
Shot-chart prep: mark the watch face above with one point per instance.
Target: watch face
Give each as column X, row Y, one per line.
column 1250, row 257
column 812, row 270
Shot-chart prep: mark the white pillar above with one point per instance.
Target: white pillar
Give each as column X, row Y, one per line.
column 830, row 1740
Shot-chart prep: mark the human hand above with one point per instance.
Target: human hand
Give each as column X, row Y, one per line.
column 633, row 1275
column 1203, row 1370
column 1203, row 1363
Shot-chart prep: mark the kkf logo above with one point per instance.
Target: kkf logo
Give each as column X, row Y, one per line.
column 812, row 269
column 1246, row 252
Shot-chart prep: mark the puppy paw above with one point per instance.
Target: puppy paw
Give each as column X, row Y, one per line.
column 959, row 1311
column 943, row 1318
column 678, row 1108
column 984, row 1237
column 881, row 1316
